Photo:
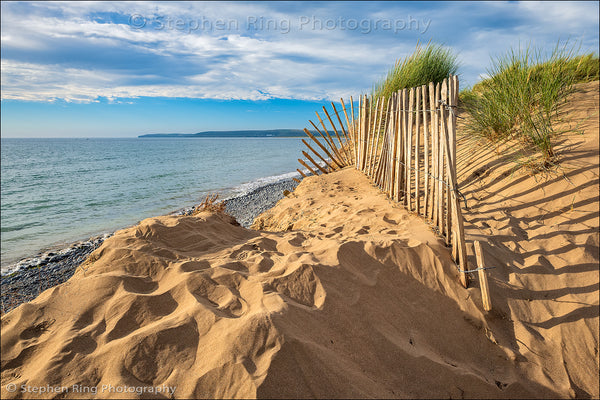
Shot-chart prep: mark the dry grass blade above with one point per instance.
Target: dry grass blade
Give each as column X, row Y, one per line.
column 210, row 204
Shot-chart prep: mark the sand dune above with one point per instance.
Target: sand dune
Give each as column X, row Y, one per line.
column 542, row 233
column 339, row 292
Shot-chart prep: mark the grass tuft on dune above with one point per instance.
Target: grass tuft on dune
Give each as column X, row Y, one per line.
column 431, row 63
column 521, row 99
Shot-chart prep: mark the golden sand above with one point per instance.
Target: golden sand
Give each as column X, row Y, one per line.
column 339, row 292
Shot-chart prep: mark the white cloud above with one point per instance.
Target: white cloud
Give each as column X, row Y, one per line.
column 41, row 40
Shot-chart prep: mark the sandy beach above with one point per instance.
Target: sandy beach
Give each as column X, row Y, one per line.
column 336, row 292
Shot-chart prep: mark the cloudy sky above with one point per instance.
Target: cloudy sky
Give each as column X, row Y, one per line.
column 93, row 69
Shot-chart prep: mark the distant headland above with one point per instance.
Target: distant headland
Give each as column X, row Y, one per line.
column 215, row 134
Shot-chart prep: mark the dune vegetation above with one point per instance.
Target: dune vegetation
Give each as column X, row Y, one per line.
column 520, row 100
column 430, row 63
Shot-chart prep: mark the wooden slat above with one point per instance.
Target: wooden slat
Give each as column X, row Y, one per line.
column 377, row 132
column 483, row 282
column 385, row 150
column 381, row 160
column 305, row 154
column 357, row 125
column 331, row 142
column 337, row 114
column 452, row 101
column 459, row 223
column 347, row 119
column 409, row 142
column 368, row 136
column 314, row 139
column 365, row 132
column 417, row 149
column 301, row 161
column 352, row 109
column 369, row 133
column 458, row 220
column 454, row 248
column 447, row 174
column 301, row 173
column 452, row 156
column 395, row 182
column 426, row 156
column 355, row 130
column 318, row 155
column 350, row 130
column 400, row 148
column 404, row 153
column 391, row 161
column 392, row 172
column 393, row 146
column 381, row 119
column 440, row 174
column 359, row 132
column 432, row 184
column 387, row 164
column 297, row 180
column 369, row 139
column 376, row 125
column 337, row 135
column 346, row 144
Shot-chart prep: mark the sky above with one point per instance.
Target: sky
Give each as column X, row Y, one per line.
column 122, row 69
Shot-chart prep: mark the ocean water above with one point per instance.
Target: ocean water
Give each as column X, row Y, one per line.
column 56, row 191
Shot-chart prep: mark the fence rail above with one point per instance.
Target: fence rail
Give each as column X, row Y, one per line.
column 406, row 144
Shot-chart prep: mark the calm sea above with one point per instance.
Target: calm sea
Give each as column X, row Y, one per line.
column 56, row 191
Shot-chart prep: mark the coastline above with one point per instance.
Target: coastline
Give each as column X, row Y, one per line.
column 31, row 276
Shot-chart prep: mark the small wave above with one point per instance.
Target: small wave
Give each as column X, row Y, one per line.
column 248, row 187
column 13, row 228
column 9, row 269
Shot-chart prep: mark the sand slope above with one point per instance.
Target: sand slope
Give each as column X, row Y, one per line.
column 345, row 295
column 542, row 233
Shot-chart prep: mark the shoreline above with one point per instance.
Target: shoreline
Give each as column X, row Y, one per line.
column 31, row 276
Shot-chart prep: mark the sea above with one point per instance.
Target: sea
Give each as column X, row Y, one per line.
column 58, row 191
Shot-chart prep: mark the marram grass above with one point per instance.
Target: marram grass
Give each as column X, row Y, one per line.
column 431, row 63
column 520, row 100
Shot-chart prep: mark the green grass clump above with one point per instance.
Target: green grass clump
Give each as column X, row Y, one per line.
column 431, row 63
column 586, row 68
column 520, row 100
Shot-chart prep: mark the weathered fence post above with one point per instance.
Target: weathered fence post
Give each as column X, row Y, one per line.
column 483, row 282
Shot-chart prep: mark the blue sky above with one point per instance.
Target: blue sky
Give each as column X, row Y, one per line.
column 104, row 69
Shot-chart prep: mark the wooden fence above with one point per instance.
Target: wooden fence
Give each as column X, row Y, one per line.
column 406, row 145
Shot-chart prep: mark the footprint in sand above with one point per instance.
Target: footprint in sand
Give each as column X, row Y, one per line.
column 236, row 266
column 297, row 240
column 37, row 330
column 157, row 355
column 301, row 286
column 260, row 263
column 140, row 285
column 217, row 298
column 389, row 220
column 194, row 265
column 131, row 312
column 364, row 230
column 242, row 252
